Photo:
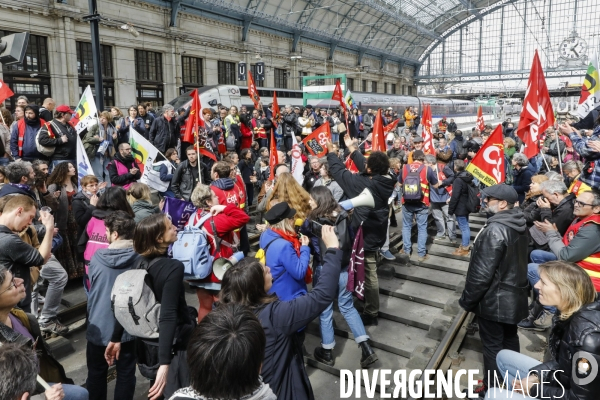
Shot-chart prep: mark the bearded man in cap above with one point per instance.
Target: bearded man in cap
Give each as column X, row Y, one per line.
column 59, row 134
column 496, row 286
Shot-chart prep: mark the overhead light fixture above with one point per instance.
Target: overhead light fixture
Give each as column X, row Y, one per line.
column 296, row 57
column 128, row 27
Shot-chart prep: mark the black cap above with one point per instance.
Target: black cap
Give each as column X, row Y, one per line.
column 502, row 192
column 279, row 212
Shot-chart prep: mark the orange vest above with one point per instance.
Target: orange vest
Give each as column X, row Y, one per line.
column 591, row 264
column 423, row 176
column 578, row 187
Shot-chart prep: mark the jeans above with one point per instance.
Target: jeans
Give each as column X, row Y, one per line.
column 541, row 256
column 99, row 165
column 386, row 245
column 57, row 279
column 347, row 309
column 420, row 212
column 371, row 284
column 168, row 193
column 74, row 392
column 533, row 275
column 98, row 370
column 463, row 224
column 511, row 363
column 495, row 336
column 335, row 137
column 4, row 161
column 441, row 217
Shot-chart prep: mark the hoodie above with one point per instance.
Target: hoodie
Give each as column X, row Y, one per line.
column 223, row 183
column 514, row 219
column 106, row 265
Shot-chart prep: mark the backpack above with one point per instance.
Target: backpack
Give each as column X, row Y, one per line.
column 411, row 185
column 47, row 151
column 461, row 153
column 193, row 250
column 133, row 302
column 473, row 201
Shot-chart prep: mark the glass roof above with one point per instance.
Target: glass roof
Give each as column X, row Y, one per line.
column 424, row 11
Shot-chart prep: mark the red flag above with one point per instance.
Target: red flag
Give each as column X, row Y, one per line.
column 350, row 166
column 316, row 142
column 427, row 133
column 488, row 164
column 5, row 91
column 273, row 156
column 203, row 147
column 252, row 92
column 276, row 111
column 339, row 96
column 391, row 126
column 194, row 120
column 537, row 114
column 480, row 121
column 377, row 136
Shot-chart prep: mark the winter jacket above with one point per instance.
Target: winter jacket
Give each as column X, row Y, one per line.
column 29, row 147
column 127, row 178
column 164, row 134
column 82, row 210
column 310, row 177
column 368, row 123
column 581, row 246
column 343, row 232
column 381, row 187
column 123, row 129
column 530, row 209
column 440, row 194
column 62, row 213
column 246, row 170
column 183, row 183
column 460, row 194
column 334, row 188
column 522, row 180
column 561, row 215
column 288, row 269
column 496, row 286
column 62, row 150
column 11, row 189
column 591, row 172
column 166, row 170
column 452, row 127
column 91, row 143
column 106, row 265
column 574, row 347
column 143, row 209
column 283, row 367
column 458, row 147
column 396, row 153
column 290, row 122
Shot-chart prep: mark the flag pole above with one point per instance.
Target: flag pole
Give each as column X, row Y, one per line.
column 198, row 149
column 558, row 151
column 544, row 158
column 2, row 116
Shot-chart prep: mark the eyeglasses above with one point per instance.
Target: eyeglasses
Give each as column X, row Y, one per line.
column 581, row 203
column 12, row 285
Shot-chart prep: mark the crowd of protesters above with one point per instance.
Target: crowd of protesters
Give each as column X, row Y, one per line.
column 245, row 336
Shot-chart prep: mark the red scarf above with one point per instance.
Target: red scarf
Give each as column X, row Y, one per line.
column 21, row 131
column 292, row 238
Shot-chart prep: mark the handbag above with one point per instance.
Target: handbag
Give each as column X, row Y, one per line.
column 341, row 128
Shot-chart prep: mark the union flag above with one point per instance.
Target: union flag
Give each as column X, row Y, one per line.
column 488, row 164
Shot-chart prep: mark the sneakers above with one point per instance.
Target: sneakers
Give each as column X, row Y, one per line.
column 368, row 320
column 368, row 355
column 53, row 326
column 387, row 255
column 423, row 258
column 527, row 324
column 461, row 251
column 544, row 321
column 324, row 356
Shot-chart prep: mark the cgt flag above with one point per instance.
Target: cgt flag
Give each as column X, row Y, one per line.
column 480, row 121
column 377, row 136
column 537, row 114
column 590, row 90
column 194, row 121
column 253, row 93
column 488, row 164
column 427, row 133
column 5, row 91
column 316, row 142
column 86, row 113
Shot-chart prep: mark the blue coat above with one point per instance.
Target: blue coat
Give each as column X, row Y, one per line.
column 440, row 194
column 287, row 268
column 523, row 180
column 29, row 147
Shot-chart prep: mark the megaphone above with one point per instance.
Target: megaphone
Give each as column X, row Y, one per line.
column 222, row 264
column 364, row 199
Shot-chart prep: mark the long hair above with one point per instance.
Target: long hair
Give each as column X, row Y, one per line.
column 138, row 191
column 244, row 284
column 536, row 179
column 59, row 175
column 288, row 190
column 147, row 234
column 113, row 199
column 327, row 207
column 574, row 285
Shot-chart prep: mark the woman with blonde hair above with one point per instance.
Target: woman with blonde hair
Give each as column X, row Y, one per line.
column 138, row 196
column 529, row 206
column 288, row 190
column 574, row 343
column 509, row 147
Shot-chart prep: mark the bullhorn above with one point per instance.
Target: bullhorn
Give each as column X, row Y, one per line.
column 222, row 264
column 364, row 199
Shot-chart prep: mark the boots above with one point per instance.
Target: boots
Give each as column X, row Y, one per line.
column 534, row 313
column 324, row 356
column 368, row 355
column 461, row 251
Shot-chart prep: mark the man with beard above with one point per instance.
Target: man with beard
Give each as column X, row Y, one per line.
column 59, row 134
column 23, row 133
column 496, row 286
column 20, row 177
column 123, row 170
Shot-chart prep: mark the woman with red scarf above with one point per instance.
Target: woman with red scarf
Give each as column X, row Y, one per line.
column 285, row 254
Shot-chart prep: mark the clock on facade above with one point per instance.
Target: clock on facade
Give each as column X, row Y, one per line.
column 573, row 48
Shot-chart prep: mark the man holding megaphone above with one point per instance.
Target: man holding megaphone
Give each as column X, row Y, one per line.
column 370, row 209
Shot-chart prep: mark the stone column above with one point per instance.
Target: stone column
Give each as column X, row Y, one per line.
column 125, row 91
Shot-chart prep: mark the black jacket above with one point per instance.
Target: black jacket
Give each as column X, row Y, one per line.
column 452, row 127
column 381, row 187
column 460, row 194
column 63, row 150
column 561, row 215
column 283, row 366
column 164, row 134
column 121, row 180
column 530, row 209
column 290, row 123
column 183, row 183
column 522, row 180
column 82, row 210
column 496, row 287
column 574, row 344
column 310, row 177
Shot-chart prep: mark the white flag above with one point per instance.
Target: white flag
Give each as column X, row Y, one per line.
column 84, row 167
column 590, row 90
column 297, row 164
column 145, row 155
column 86, row 113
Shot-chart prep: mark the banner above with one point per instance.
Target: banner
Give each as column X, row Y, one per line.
column 349, row 100
column 488, row 164
column 480, row 121
column 297, row 164
column 178, row 211
column 253, row 93
column 427, row 134
column 377, row 136
column 145, row 155
column 84, row 167
column 356, row 269
column 316, row 142
column 5, row 91
column 537, row 114
column 86, row 113
column 590, row 90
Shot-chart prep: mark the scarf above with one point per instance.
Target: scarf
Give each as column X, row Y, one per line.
column 292, row 238
column 21, row 186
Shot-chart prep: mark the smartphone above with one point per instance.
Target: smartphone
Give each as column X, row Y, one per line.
column 316, row 228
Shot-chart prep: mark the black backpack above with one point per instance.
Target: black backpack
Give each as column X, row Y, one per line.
column 411, row 185
column 473, row 202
